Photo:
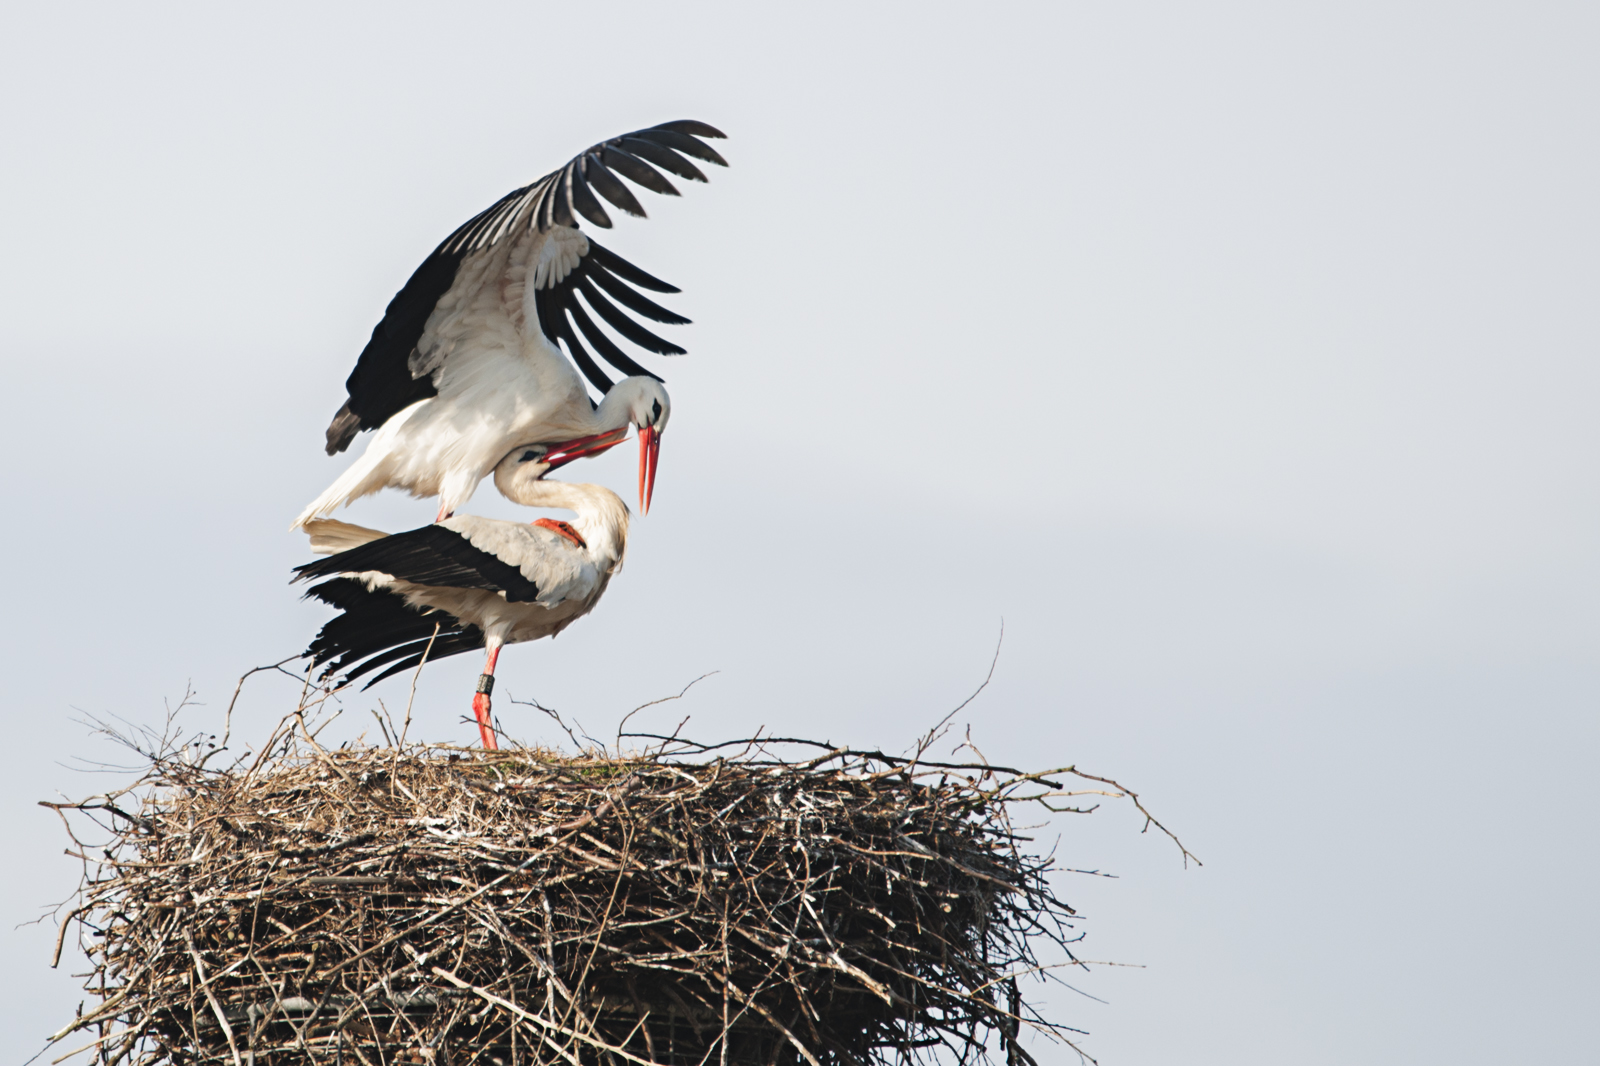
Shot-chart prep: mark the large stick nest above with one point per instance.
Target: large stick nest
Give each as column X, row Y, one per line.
column 688, row 905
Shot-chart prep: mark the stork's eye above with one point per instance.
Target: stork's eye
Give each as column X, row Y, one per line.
column 656, row 407
column 533, row 455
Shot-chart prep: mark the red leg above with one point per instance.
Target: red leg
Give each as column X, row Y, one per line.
column 480, row 702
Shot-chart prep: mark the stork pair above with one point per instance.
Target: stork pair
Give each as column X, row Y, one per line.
column 465, row 376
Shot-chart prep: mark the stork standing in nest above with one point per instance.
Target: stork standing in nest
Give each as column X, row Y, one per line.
column 465, row 364
column 466, row 582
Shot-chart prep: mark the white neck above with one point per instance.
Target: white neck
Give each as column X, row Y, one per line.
column 613, row 413
column 602, row 516
column 617, row 405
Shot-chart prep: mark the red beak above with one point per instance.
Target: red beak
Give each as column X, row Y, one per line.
column 565, row 452
column 649, row 453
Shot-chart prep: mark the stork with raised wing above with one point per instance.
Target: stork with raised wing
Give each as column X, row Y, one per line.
column 466, row 363
column 466, row 582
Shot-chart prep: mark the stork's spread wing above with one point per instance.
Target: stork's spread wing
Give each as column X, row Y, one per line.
column 432, row 555
column 383, row 382
column 604, row 269
column 379, row 626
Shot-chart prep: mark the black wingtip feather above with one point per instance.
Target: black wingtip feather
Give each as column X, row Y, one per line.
column 605, row 346
column 693, row 128
column 634, row 156
column 559, row 212
column 682, row 142
column 583, row 201
column 625, row 325
column 606, row 184
column 591, row 370
column 632, row 300
column 663, row 157
column 381, row 384
column 627, row 271
column 552, row 305
column 637, row 170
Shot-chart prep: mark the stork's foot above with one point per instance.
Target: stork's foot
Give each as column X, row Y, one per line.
column 480, row 711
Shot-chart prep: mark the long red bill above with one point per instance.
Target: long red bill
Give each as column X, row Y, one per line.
column 649, row 454
column 583, row 447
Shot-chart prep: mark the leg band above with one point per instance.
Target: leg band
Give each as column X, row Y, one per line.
column 485, row 683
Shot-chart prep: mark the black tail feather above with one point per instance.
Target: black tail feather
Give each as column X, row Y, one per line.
column 376, row 627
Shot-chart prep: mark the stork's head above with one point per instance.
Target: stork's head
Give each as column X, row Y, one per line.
column 636, row 401
column 519, row 469
column 649, row 407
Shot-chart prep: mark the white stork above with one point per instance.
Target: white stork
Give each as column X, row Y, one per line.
column 465, row 582
column 465, row 366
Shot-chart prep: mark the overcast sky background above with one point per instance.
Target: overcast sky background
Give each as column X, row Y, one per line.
column 1242, row 357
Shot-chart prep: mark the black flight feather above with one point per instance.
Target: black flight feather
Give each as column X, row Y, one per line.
column 606, row 184
column 382, row 384
column 432, row 555
column 544, row 212
column 637, row 171
column 379, row 626
column 591, row 370
column 625, row 325
column 682, row 142
column 583, row 201
column 560, row 213
column 552, row 305
column 662, row 157
column 626, row 270
column 693, row 128
column 559, row 308
column 606, row 346
column 632, row 300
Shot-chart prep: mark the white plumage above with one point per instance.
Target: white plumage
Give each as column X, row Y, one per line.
column 490, row 402
column 465, row 364
column 466, row 582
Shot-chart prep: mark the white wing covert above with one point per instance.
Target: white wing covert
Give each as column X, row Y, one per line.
column 401, row 362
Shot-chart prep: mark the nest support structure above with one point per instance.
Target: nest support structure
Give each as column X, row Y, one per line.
column 686, row 906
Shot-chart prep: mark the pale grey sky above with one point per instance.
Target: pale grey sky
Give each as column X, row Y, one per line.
column 1241, row 356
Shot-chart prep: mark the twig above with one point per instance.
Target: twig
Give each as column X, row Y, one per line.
column 748, row 896
column 211, row 998
column 490, row 997
column 227, row 718
column 652, row 703
column 415, row 677
column 61, row 936
column 927, row 739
